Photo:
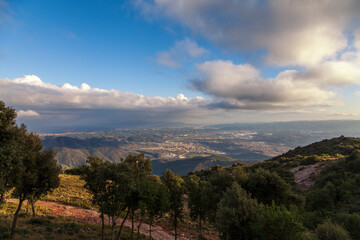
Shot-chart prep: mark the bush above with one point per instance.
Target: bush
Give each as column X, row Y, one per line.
column 353, row 162
column 311, row 160
column 236, row 214
column 277, row 222
column 351, row 224
column 332, row 231
column 74, row 171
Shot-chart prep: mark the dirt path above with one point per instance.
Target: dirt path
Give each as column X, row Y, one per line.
column 91, row 216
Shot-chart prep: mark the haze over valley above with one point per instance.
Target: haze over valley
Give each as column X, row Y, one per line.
column 193, row 148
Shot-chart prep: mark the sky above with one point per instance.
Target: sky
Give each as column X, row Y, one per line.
column 91, row 63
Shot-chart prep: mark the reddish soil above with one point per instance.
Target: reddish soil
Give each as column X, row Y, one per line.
column 92, row 216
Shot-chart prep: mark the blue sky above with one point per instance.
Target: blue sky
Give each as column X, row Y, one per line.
column 223, row 61
column 106, row 45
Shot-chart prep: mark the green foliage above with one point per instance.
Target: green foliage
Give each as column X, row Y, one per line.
column 47, row 174
column 219, row 181
column 311, row 160
column 332, row 147
column 267, row 187
column 237, row 213
column 277, row 222
column 351, row 223
column 10, row 149
column 175, row 186
column 353, row 162
column 73, row 171
column 154, row 197
column 112, row 186
column 331, row 231
column 337, row 188
column 25, row 166
column 199, row 193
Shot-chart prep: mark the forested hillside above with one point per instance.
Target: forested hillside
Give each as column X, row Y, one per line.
column 307, row 193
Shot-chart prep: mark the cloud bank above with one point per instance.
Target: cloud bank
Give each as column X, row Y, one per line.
column 292, row 32
column 47, row 105
column 243, row 87
column 315, row 42
column 30, row 91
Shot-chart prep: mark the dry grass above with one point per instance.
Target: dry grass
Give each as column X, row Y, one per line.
column 71, row 191
column 45, row 226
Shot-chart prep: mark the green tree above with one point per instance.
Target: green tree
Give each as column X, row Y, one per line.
column 175, row 185
column 47, row 176
column 236, row 214
column 277, row 222
column 141, row 169
column 9, row 145
column 267, row 186
column 30, row 181
column 111, row 185
column 198, row 192
column 331, row 231
column 154, row 199
column 219, row 181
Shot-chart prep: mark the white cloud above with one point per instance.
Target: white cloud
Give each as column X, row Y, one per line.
column 30, row 91
column 292, row 32
column 242, row 87
column 27, row 114
column 67, row 106
column 181, row 51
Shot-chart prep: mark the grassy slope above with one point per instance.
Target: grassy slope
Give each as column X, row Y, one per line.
column 71, row 192
column 44, row 226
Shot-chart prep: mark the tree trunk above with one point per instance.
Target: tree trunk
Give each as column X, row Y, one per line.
column 132, row 225
column 113, row 228
column 2, row 197
column 122, row 224
column 27, row 208
column 102, row 226
column 138, row 229
column 200, row 228
column 13, row 227
column 150, row 229
column 32, row 202
column 175, row 226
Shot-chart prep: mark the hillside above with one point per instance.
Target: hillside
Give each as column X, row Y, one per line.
column 67, row 213
column 325, row 174
column 311, row 185
column 332, row 147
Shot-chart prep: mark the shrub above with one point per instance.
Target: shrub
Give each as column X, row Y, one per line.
column 311, row 160
column 332, row 231
column 351, row 223
column 236, row 214
column 277, row 222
